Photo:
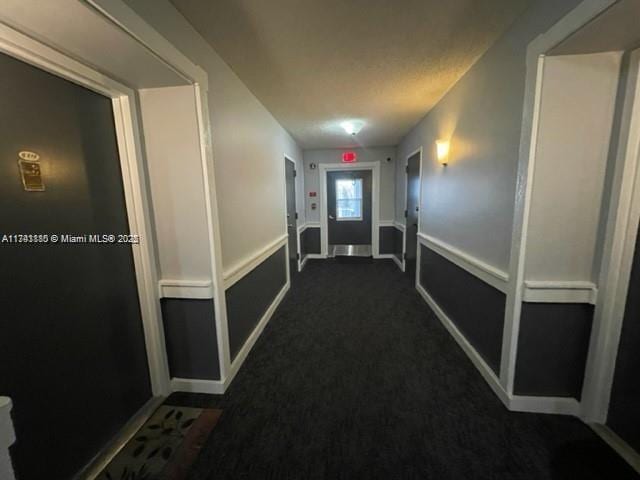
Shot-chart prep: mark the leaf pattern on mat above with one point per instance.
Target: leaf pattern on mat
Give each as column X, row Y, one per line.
column 146, row 454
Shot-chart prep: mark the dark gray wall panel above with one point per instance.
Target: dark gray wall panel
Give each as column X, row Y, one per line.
column 248, row 299
column 387, row 240
column 72, row 350
column 475, row 307
column 310, row 240
column 624, row 408
column 190, row 336
column 552, row 349
column 398, row 243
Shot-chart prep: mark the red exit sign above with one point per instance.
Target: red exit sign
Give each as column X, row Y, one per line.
column 349, row 157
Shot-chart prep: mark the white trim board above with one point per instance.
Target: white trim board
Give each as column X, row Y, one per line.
column 218, row 387
column 323, row 169
column 194, row 289
column 128, row 135
column 619, row 250
column 386, row 223
column 618, row 444
column 247, row 264
column 516, row 403
column 400, row 226
column 495, row 277
column 484, row 369
column 536, row 50
column 537, row 291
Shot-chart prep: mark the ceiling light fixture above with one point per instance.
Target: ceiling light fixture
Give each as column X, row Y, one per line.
column 352, row 127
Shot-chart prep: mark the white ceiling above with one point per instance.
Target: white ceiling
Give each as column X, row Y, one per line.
column 315, row 63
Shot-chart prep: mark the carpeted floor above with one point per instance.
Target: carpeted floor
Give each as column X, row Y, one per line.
column 355, row 377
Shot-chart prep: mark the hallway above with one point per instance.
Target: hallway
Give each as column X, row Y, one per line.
column 355, row 377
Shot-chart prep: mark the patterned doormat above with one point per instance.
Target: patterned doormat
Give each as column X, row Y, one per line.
column 165, row 447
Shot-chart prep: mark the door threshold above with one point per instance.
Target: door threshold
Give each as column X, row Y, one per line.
column 107, row 453
column 349, row 251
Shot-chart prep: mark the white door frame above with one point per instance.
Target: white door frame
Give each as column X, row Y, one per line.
column 536, row 52
column 134, row 181
column 126, row 19
column 406, row 205
column 619, row 250
column 374, row 167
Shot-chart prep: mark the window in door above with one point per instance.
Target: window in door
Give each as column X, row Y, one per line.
column 349, row 199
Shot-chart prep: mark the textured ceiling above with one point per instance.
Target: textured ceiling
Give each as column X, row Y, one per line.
column 315, row 63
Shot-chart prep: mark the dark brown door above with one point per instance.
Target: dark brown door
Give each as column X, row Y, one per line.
column 292, row 223
column 349, row 207
column 72, row 351
column 413, row 210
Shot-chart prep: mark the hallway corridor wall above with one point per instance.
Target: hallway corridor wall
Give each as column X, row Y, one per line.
column 248, row 143
column 467, row 206
column 248, row 149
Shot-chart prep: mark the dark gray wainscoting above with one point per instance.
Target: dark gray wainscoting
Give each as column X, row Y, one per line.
column 249, row 298
column 398, row 242
column 310, row 241
column 552, row 349
column 190, row 336
column 475, row 307
column 387, row 240
column 624, row 414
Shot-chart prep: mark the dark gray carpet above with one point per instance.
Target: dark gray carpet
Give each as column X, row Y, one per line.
column 355, row 377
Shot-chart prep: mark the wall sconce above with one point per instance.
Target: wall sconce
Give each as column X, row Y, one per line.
column 442, row 151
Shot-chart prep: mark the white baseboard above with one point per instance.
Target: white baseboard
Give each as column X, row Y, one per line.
column 398, row 262
column 384, row 256
column 484, row 369
column 193, row 385
column 248, row 345
column 218, row 387
column 619, row 445
column 316, row 256
column 303, row 262
column 551, row 405
column 516, row 403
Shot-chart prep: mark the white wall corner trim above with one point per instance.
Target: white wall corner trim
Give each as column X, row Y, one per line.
column 485, row 272
column 540, row 291
column 246, row 265
column 386, row 223
column 195, row 289
column 399, row 225
column 218, row 387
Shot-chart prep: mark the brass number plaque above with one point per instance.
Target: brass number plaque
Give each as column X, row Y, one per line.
column 31, row 171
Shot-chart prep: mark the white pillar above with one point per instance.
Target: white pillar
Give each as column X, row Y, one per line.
column 7, row 437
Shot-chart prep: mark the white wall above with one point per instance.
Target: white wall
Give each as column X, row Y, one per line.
column 175, row 177
column 248, row 143
column 376, row 154
column 576, row 117
column 470, row 203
